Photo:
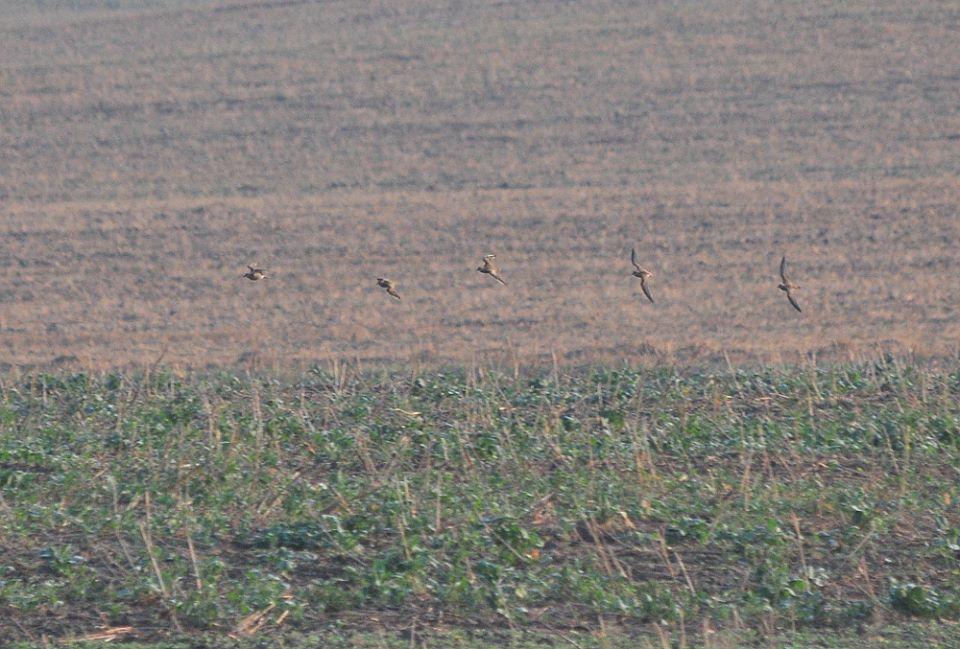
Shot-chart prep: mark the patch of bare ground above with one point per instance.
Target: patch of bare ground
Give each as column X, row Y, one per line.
column 150, row 152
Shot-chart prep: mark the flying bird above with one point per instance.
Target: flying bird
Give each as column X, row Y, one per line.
column 490, row 268
column 642, row 273
column 786, row 285
column 388, row 286
column 255, row 273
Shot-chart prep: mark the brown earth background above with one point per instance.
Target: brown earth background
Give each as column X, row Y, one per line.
column 148, row 152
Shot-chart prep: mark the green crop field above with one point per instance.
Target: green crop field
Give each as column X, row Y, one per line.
column 608, row 506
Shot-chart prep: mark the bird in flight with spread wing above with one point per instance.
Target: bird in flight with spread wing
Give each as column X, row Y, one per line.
column 255, row 273
column 786, row 285
column 642, row 273
column 388, row 286
column 490, row 268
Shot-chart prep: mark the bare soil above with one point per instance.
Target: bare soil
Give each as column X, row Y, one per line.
column 150, row 151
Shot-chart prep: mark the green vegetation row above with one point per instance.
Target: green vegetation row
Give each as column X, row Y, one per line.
column 653, row 503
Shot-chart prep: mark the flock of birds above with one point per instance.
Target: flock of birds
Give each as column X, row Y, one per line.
column 489, row 267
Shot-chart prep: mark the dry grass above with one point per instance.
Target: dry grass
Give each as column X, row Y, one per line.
column 150, row 153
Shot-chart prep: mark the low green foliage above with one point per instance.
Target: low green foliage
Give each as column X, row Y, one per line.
column 622, row 498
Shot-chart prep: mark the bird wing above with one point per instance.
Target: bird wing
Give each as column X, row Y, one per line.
column 392, row 291
column 252, row 269
column 794, row 302
column 783, row 269
column 496, row 276
column 633, row 258
column 646, row 291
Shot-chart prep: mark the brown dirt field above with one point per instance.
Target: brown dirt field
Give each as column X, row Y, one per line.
column 149, row 153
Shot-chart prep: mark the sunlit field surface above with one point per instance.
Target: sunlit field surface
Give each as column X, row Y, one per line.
column 150, row 151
